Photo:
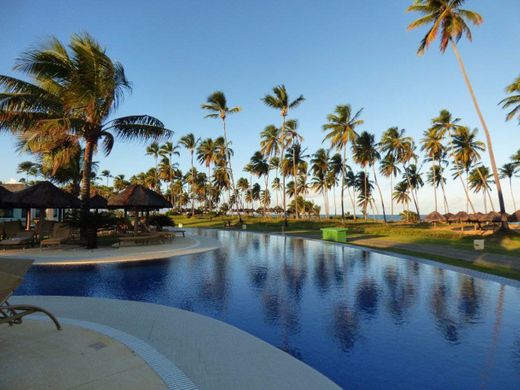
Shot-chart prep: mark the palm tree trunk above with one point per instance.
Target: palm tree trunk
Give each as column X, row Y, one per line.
column 343, row 182
column 512, row 195
column 353, row 201
column 504, row 225
column 295, row 184
column 380, row 193
column 435, row 185
column 334, row 198
column 447, row 209
column 228, row 161
column 282, row 150
column 391, row 195
column 192, row 185
column 412, row 193
column 365, row 205
column 85, row 192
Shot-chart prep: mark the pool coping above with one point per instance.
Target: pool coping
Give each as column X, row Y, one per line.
column 210, row 352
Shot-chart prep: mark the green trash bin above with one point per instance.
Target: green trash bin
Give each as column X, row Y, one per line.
column 334, row 234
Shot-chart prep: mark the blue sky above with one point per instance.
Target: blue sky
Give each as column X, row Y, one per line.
column 177, row 52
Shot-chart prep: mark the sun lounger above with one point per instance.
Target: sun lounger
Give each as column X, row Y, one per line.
column 22, row 238
column 146, row 239
column 60, row 233
column 12, row 272
column 11, row 228
column 183, row 232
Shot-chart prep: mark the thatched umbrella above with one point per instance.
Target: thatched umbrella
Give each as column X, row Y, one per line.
column 137, row 197
column 476, row 217
column 43, row 195
column 97, row 202
column 461, row 216
column 434, row 217
column 3, row 193
column 492, row 216
column 515, row 217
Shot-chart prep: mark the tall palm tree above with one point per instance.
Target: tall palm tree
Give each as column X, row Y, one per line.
column 120, row 183
column 401, row 196
column 366, row 155
column 450, row 21
column 216, row 103
column 431, row 144
column 189, row 142
column 29, row 168
column 261, row 168
column 280, row 101
column 168, row 150
column 154, row 150
column 512, row 102
column 341, row 129
column 274, row 164
column 508, row 171
column 320, row 168
column 479, row 181
column 73, row 91
column 364, row 187
column 414, row 179
column 466, row 151
column 435, row 177
column 388, row 167
column 335, row 170
column 106, row 174
column 294, row 154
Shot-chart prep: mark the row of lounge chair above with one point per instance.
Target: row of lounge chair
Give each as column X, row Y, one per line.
column 47, row 233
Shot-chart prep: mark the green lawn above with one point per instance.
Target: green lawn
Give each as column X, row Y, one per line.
column 446, row 236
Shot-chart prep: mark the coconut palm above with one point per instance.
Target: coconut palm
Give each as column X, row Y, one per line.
column 189, row 142
column 350, row 183
column 466, row 151
column 168, row 150
column 28, row 168
column 435, row 177
column 341, row 129
column 320, row 169
column 154, row 150
column 106, row 174
column 216, row 103
column 507, row 171
column 515, row 158
column 414, row 179
column 401, row 196
column 261, row 168
column 431, row 144
column 364, row 187
column 335, row 171
column 296, row 157
column 242, row 186
column 73, row 91
column 365, row 154
column 450, row 21
column 512, row 102
column 479, row 181
column 120, row 183
column 280, row 101
column 388, row 167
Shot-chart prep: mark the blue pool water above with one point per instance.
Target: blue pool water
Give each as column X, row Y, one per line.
column 365, row 320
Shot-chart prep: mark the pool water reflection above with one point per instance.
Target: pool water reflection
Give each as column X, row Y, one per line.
column 365, row 320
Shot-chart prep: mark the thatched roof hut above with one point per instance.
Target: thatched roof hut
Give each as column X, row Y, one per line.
column 515, row 217
column 138, row 197
column 434, row 217
column 3, row 193
column 461, row 216
column 43, row 195
column 492, row 216
column 97, row 202
column 476, row 217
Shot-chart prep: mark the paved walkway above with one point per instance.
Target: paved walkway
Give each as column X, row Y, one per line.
column 474, row 257
column 68, row 255
column 212, row 354
column 35, row 355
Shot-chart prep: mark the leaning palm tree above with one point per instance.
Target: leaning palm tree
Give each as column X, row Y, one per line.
column 341, row 129
column 279, row 100
column 366, row 155
column 512, row 102
column 190, row 144
column 216, row 103
column 73, row 91
column 508, row 171
column 450, row 21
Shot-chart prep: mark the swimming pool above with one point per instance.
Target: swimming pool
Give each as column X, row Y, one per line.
column 364, row 319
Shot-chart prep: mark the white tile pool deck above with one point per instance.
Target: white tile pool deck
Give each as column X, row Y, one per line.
column 70, row 255
column 212, row 354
